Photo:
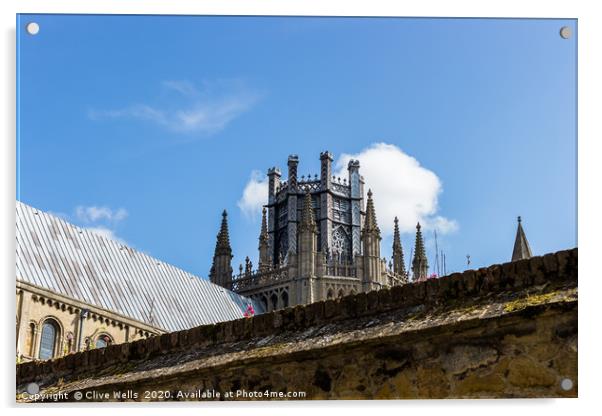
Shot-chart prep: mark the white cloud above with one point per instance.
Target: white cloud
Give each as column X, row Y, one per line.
column 204, row 111
column 401, row 187
column 182, row 87
column 101, row 220
column 254, row 195
column 106, row 233
column 90, row 214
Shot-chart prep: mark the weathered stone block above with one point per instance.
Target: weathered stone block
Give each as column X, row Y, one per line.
column 309, row 314
column 329, row 309
column 262, row 324
column 288, row 318
column 174, row 340
column 94, row 359
column 248, row 328
column 445, row 289
column 124, row 352
column 496, row 272
column 508, row 275
column 524, row 372
column 384, row 299
column 319, row 310
column 466, row 357
column 69, row 362
column 562, row 257
column 432, row 290
column 140, row 349
column 456, row 281
column 81, row 359
column 537, row 271
column 480, row 385
column 522, row 273
column 361, row 300
column 396, row 295
column 153, row 346
column 348, row 307
column 372, row 299
column 470, row 282
column 209, row 334
column 277, row 319
column 550, row 263
column 299, row 313
column 164, row 342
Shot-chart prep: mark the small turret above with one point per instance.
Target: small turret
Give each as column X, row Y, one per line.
column 371, row 244
column 521, row 245
column 370, row 225
column 293, row 163
column 308, row 249
column 419, row 263
column 399, row 267
column 221, row 269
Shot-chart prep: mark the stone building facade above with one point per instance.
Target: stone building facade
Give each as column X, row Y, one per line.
column 51, row 325
column 319, row 239
column 76, row 291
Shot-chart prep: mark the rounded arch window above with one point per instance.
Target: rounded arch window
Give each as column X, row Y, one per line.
column 103, row 341
column 48, row 339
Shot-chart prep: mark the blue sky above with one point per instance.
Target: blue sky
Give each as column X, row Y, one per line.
column 146, row 127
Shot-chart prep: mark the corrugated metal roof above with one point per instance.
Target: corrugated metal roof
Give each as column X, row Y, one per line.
column 79, row 263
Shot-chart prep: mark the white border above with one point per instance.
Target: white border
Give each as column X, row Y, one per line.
column 589, row 185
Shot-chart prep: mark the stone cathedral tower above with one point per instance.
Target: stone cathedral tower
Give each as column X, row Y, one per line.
column 316, row 241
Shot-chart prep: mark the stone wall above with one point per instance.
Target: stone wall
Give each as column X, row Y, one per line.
column 505, row 331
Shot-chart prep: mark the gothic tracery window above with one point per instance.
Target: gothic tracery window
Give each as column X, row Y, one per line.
column 341, row 245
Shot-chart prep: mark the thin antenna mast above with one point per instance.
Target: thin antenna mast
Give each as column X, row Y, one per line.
column 410, row 263
column 437, row 268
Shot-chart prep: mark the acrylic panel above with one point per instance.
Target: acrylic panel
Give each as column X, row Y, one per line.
column 295, row 208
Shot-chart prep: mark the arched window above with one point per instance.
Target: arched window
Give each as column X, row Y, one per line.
column 103, row 340
column 330, row 294
column 48, row 340
column 341, row 293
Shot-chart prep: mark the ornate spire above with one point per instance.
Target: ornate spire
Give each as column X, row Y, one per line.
column 420, row 262
column 521, row 245
column 308, row 222
column 264, row 255
column 221, row 269
column 263, row 235
column 370, row 225
column 398, row 261
column 222, row 246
